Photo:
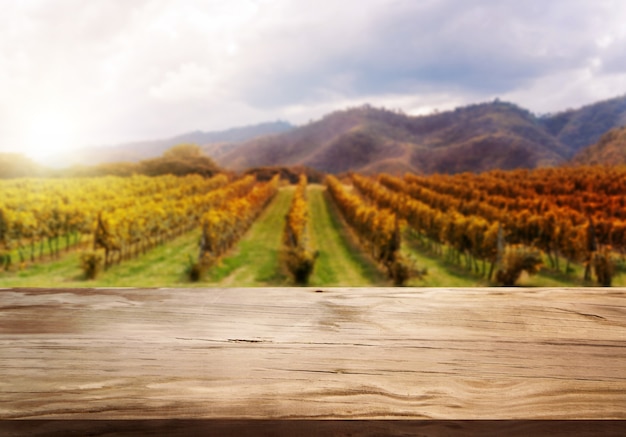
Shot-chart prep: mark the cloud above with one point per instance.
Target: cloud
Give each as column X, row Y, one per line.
column 415, row 47
column 151, row 68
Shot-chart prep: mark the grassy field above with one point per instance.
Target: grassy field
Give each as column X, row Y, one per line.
column 340, row 261
column 162, row 266
column 439, row 273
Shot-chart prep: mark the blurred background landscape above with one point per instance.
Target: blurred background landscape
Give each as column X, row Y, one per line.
column 440, row 143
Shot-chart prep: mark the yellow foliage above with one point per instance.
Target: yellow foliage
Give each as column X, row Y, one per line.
column 297, row 256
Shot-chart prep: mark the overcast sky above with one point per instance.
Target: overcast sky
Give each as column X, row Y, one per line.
column 93, row 72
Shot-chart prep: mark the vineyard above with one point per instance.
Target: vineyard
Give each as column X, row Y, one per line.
column 515, row 217
column 493, row 228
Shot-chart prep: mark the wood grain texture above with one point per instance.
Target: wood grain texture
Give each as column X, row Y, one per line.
column 360, row 353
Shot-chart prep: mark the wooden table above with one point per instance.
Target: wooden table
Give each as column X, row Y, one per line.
column 303, row 353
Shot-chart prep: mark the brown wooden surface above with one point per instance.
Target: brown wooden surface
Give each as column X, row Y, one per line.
column 367, row 353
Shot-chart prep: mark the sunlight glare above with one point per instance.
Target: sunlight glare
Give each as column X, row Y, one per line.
column 49, row 133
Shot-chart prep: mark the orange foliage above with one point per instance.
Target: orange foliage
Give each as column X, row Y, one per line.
column 548, row 209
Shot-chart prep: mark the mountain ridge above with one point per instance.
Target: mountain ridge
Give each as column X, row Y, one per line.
column 477, row 137
column 583, row 127
column 609, row 150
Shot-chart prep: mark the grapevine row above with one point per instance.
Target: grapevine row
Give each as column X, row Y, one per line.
column 224, row 224
column 127, row 232
column 470, row 236
column 475, row 205
column 34, row 212
column 578, row 194
column 297, row 256
column 377, row 228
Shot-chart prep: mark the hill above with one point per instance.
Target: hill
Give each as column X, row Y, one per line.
column 179, row 160
column 583, row 127
column 366, row 139
column 473, row 138
column 610, row 150
column 214, row 144
column 14, row 165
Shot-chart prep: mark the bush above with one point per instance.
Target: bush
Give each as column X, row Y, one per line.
column 518, row 259
column 91, row 263
column 401, row 269
column 197, row 269
column 604, row 267
column 300, row 263
column 5, row 259
column 399, row 272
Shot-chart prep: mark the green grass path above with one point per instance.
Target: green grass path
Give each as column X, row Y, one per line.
column 340, row 263
column 254, row 261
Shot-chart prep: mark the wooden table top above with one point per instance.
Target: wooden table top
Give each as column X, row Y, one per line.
column 304, row 353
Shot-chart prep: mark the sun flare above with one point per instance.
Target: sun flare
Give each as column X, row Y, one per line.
column 49, row 133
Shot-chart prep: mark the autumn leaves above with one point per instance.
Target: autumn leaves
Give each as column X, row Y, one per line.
column 377, row 228
column 297, row 255
column 575, row 215
column 224, row 224
column 495, row 225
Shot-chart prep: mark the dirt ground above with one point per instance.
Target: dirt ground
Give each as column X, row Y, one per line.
column 303, row 353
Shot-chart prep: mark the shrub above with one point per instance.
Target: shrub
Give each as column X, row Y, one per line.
column 300, row 263
column 604, row 267
column 5, row 259
column 401, row 269
column 518, row 259
column 196, row 269
column 91, row 263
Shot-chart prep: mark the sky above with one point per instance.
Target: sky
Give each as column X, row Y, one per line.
column 77, row 73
